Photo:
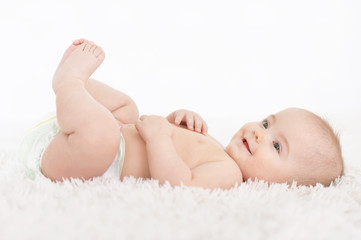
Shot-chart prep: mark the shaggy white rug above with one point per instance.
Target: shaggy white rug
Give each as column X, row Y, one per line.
column 136, row 209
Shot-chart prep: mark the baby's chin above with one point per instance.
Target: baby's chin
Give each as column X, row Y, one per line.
column 226, row 148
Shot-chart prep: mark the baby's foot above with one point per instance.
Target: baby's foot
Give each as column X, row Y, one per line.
column 71, row 49
column 79, row 62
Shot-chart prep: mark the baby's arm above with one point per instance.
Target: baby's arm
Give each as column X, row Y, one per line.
column 164, row 162
column 119, row 104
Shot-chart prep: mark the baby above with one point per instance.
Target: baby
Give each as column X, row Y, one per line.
column 96, row 121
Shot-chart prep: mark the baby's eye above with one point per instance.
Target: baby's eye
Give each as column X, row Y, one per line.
column 265, row 124
column 276, row 145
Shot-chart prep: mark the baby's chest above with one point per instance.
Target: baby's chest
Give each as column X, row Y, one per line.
column 196, row 149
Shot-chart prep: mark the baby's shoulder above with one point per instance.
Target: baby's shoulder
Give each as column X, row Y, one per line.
column 222, row 172
column 229, row 166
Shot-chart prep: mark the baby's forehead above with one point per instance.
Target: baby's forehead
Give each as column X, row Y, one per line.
column 295, row 119
column 300, row 118
column 303, row 130
column 296, row 113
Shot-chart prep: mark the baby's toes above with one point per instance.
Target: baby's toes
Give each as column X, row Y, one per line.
column 78, row 41
column 99, row 53
column 92, row 46
column 87, row 46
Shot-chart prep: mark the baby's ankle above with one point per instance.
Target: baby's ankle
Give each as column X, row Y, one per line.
column 68, row 85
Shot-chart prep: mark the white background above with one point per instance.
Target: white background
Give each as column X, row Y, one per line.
column 230, row 61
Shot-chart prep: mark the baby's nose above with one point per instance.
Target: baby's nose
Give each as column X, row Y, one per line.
column 259, row 135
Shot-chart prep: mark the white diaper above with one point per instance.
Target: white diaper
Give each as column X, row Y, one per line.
column 38, row 138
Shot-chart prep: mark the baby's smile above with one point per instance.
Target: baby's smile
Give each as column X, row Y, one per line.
column 245, row 143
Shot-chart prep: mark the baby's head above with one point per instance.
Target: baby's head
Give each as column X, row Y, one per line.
column 293, row 144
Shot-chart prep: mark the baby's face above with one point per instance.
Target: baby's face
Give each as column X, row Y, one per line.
column 276, row 148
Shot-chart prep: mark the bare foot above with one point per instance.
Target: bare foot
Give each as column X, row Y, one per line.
column 71, row 49
column 79, row 62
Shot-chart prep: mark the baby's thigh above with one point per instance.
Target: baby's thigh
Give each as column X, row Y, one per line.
column 74, row 156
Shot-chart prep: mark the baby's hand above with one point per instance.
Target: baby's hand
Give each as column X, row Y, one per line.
column 150, row 126
column 193, row 120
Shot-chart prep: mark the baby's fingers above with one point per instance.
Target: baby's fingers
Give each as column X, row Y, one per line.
column 142, row 117
column 204, row 128
column 201, row 126
column 178, row 118
column 198, row 124
column 190, row 123
column 138, row 125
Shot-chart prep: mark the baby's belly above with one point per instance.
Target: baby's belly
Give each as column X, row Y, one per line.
column 135, row 159
column 192, row 147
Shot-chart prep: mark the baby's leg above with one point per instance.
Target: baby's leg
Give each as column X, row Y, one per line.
column 89, row 137
column 119, row 104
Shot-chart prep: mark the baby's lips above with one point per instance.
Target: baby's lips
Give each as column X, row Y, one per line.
column 246, row 145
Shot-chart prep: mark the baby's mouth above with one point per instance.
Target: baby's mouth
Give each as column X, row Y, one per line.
column 245, row 143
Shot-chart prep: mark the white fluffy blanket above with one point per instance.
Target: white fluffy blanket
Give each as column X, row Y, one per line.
column 136, row 209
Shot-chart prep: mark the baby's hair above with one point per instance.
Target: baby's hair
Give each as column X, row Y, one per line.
column 330, row 165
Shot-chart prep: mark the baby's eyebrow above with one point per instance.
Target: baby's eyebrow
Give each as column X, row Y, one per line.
column 273, row 117
column 283, row 138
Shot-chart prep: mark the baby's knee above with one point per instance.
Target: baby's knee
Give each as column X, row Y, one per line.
column 133, row 112
column 128, row 113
